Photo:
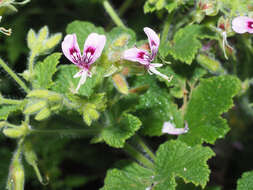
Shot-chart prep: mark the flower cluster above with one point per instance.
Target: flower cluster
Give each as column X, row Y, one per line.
column 94, row 46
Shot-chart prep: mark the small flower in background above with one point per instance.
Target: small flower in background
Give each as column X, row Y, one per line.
column 144, row 57
column 169, row 128
column 242, row 24
column 92, row 50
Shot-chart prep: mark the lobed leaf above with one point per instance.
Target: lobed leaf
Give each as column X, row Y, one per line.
column 177, row 159
column 155, row 107
column 131, row 176
column 6, row 110
column 65, row 83
column 246, row 181
column 45, row 70
column 209, row 100
column 116, row 135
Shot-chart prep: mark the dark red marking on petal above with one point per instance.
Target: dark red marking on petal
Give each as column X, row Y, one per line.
column 72, row 50
column 75, row 54
column 250, row 24
column 153, row 43
column 141, row 55
column 90, row 50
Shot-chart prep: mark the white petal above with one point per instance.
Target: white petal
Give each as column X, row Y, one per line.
column 137, row 55
column 82, row 80
column 78, row 74
column 153, row 70
column 153, row 40
column 169, row 128
column 95, row 43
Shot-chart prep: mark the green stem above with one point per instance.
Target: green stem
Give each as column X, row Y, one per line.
column 85, row 132
column 9, row 101
column 14, row 76
column 113, row 14
column 125, row 6
column 138, row 156
column 30, row 65
column 166, row 28
column 145, row 147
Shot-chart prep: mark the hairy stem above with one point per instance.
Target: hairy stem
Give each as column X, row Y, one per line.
column 14, row 76
column 166, row 28
column 9, row 101
column 82, row 132
column 145, row 147
column 112, row 13
column 30, row 65
column 126, row 4
column 138, row 156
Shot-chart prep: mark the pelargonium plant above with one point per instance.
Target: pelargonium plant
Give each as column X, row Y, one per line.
column 100, row 106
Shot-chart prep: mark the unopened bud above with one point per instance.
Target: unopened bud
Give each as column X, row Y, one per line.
column 120, row 83
column 16, row 179
column 209, row 63
column 16, row 132
column 43, row 114
column 35, row 107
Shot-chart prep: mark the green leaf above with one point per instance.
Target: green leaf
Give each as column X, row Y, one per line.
column 156, row 106
column 176, row 159
column 156, row 5
column 185, row 44
column 246, row 181
column 65, row 83
column 6, row 110
column 116, row 135
column 209, row 100
column 45, row 70
column 173, row 159
column 82, row 29
column 131, row 176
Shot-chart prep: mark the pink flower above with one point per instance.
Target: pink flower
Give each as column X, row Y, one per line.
column 242, row 24
column 92, row 50
column 144, row 57
column 170, row 128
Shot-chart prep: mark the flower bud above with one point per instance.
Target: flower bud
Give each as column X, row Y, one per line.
column 35, row 107
column 209, row 63
column 16, row 132
column 16, row 179
column 120, row 83
column 39, row 94
column 43, row 114
column 53, row 41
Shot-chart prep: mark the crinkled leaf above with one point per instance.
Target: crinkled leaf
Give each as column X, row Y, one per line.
column 132, row 176
column 65, row 83
column 209, row 100
column 156, row 106
column 176, row 85
column 116, row 135
column 45, row 70
column 6, row 110
column 173, row 159
column 156, row 5
column 82, row 29
column 177, row 159
column 246, row 181
column 186, row 43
